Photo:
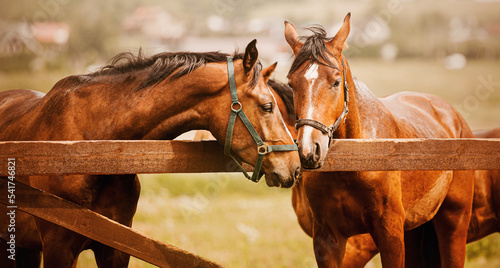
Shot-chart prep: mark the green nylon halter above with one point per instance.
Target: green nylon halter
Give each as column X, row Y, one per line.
column 262, row 147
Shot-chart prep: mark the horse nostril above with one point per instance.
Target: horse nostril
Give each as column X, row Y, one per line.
column 317, row 152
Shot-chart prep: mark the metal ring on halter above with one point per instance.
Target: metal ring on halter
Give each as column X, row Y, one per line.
column 236, row 110
column 263, row 149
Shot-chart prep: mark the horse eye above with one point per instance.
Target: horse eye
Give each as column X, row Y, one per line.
column 268, row 107
column 336, row 84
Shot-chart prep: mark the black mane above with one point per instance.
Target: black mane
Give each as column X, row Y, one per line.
column 286, row 94
column 163, row 65
column 314, row 50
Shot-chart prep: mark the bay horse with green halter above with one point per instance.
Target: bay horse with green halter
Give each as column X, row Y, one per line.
column 136, row 97
column 333, row 206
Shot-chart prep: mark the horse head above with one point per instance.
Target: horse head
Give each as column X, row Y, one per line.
column 318, row 78
column 250, row 102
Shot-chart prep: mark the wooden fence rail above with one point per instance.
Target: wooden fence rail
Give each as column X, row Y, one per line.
column 99, row 228
column 130, row 157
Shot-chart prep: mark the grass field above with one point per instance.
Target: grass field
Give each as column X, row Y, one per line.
column 238, row 223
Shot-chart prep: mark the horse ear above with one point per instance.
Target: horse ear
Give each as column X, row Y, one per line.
column 292, row 38
column 338, row 42
column 251, row 56
column 267, row 72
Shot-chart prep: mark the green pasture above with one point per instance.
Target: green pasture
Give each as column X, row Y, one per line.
column 237, row 223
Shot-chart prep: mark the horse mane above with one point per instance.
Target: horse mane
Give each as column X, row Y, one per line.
column 286, row 94
column 171, row 65
column 314, row 50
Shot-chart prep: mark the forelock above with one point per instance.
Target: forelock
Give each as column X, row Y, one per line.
column 314, row 50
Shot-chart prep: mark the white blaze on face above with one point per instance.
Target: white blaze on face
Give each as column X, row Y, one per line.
column 312, row 72
column 311, row 75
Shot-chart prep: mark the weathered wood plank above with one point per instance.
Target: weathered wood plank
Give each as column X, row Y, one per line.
column 413, row 154
column 130, row 157
column 97, row 227
column 116, row 157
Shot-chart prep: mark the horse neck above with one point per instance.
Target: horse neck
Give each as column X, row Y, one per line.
column 111, row 107
column 185, row 103
column 358, row 96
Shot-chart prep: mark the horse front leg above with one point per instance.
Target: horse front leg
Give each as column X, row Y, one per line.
column 329, row 248
column 61, row 246
column 107, row 257
column 452, row 220
column 123, row 192
column 388, row 233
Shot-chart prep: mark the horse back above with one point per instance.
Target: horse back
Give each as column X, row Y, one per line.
column 489, row 133
column 14, row 104
column 421, row 115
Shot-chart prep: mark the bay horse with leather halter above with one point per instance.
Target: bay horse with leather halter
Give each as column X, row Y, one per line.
column 333, row 206
column 360, row 249
column 158, row 97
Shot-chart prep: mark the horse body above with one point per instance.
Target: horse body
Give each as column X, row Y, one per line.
column 411, row 115
column 352, row 203
column 361, row 248
column 383, row 204
column 484, row 220
column 119, row 103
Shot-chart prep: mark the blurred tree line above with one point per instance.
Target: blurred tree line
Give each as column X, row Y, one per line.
column 421, row 28
column 94, row 24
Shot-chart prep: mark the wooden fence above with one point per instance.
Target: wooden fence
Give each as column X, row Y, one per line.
column 136, row 157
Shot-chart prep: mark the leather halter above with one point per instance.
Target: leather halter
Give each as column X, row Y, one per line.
column 322, row 127
column 262, row 147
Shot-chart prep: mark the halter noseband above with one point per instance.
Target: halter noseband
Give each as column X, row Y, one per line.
column 322, row 127
column 262, row 147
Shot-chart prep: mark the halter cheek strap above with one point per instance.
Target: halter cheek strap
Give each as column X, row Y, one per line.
column 262, row 147
column 342, row 117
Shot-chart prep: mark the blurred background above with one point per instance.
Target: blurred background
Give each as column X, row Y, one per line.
column 450, row 48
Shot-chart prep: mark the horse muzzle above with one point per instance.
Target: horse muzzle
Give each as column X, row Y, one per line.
column 283, row 181
column 313, row 147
